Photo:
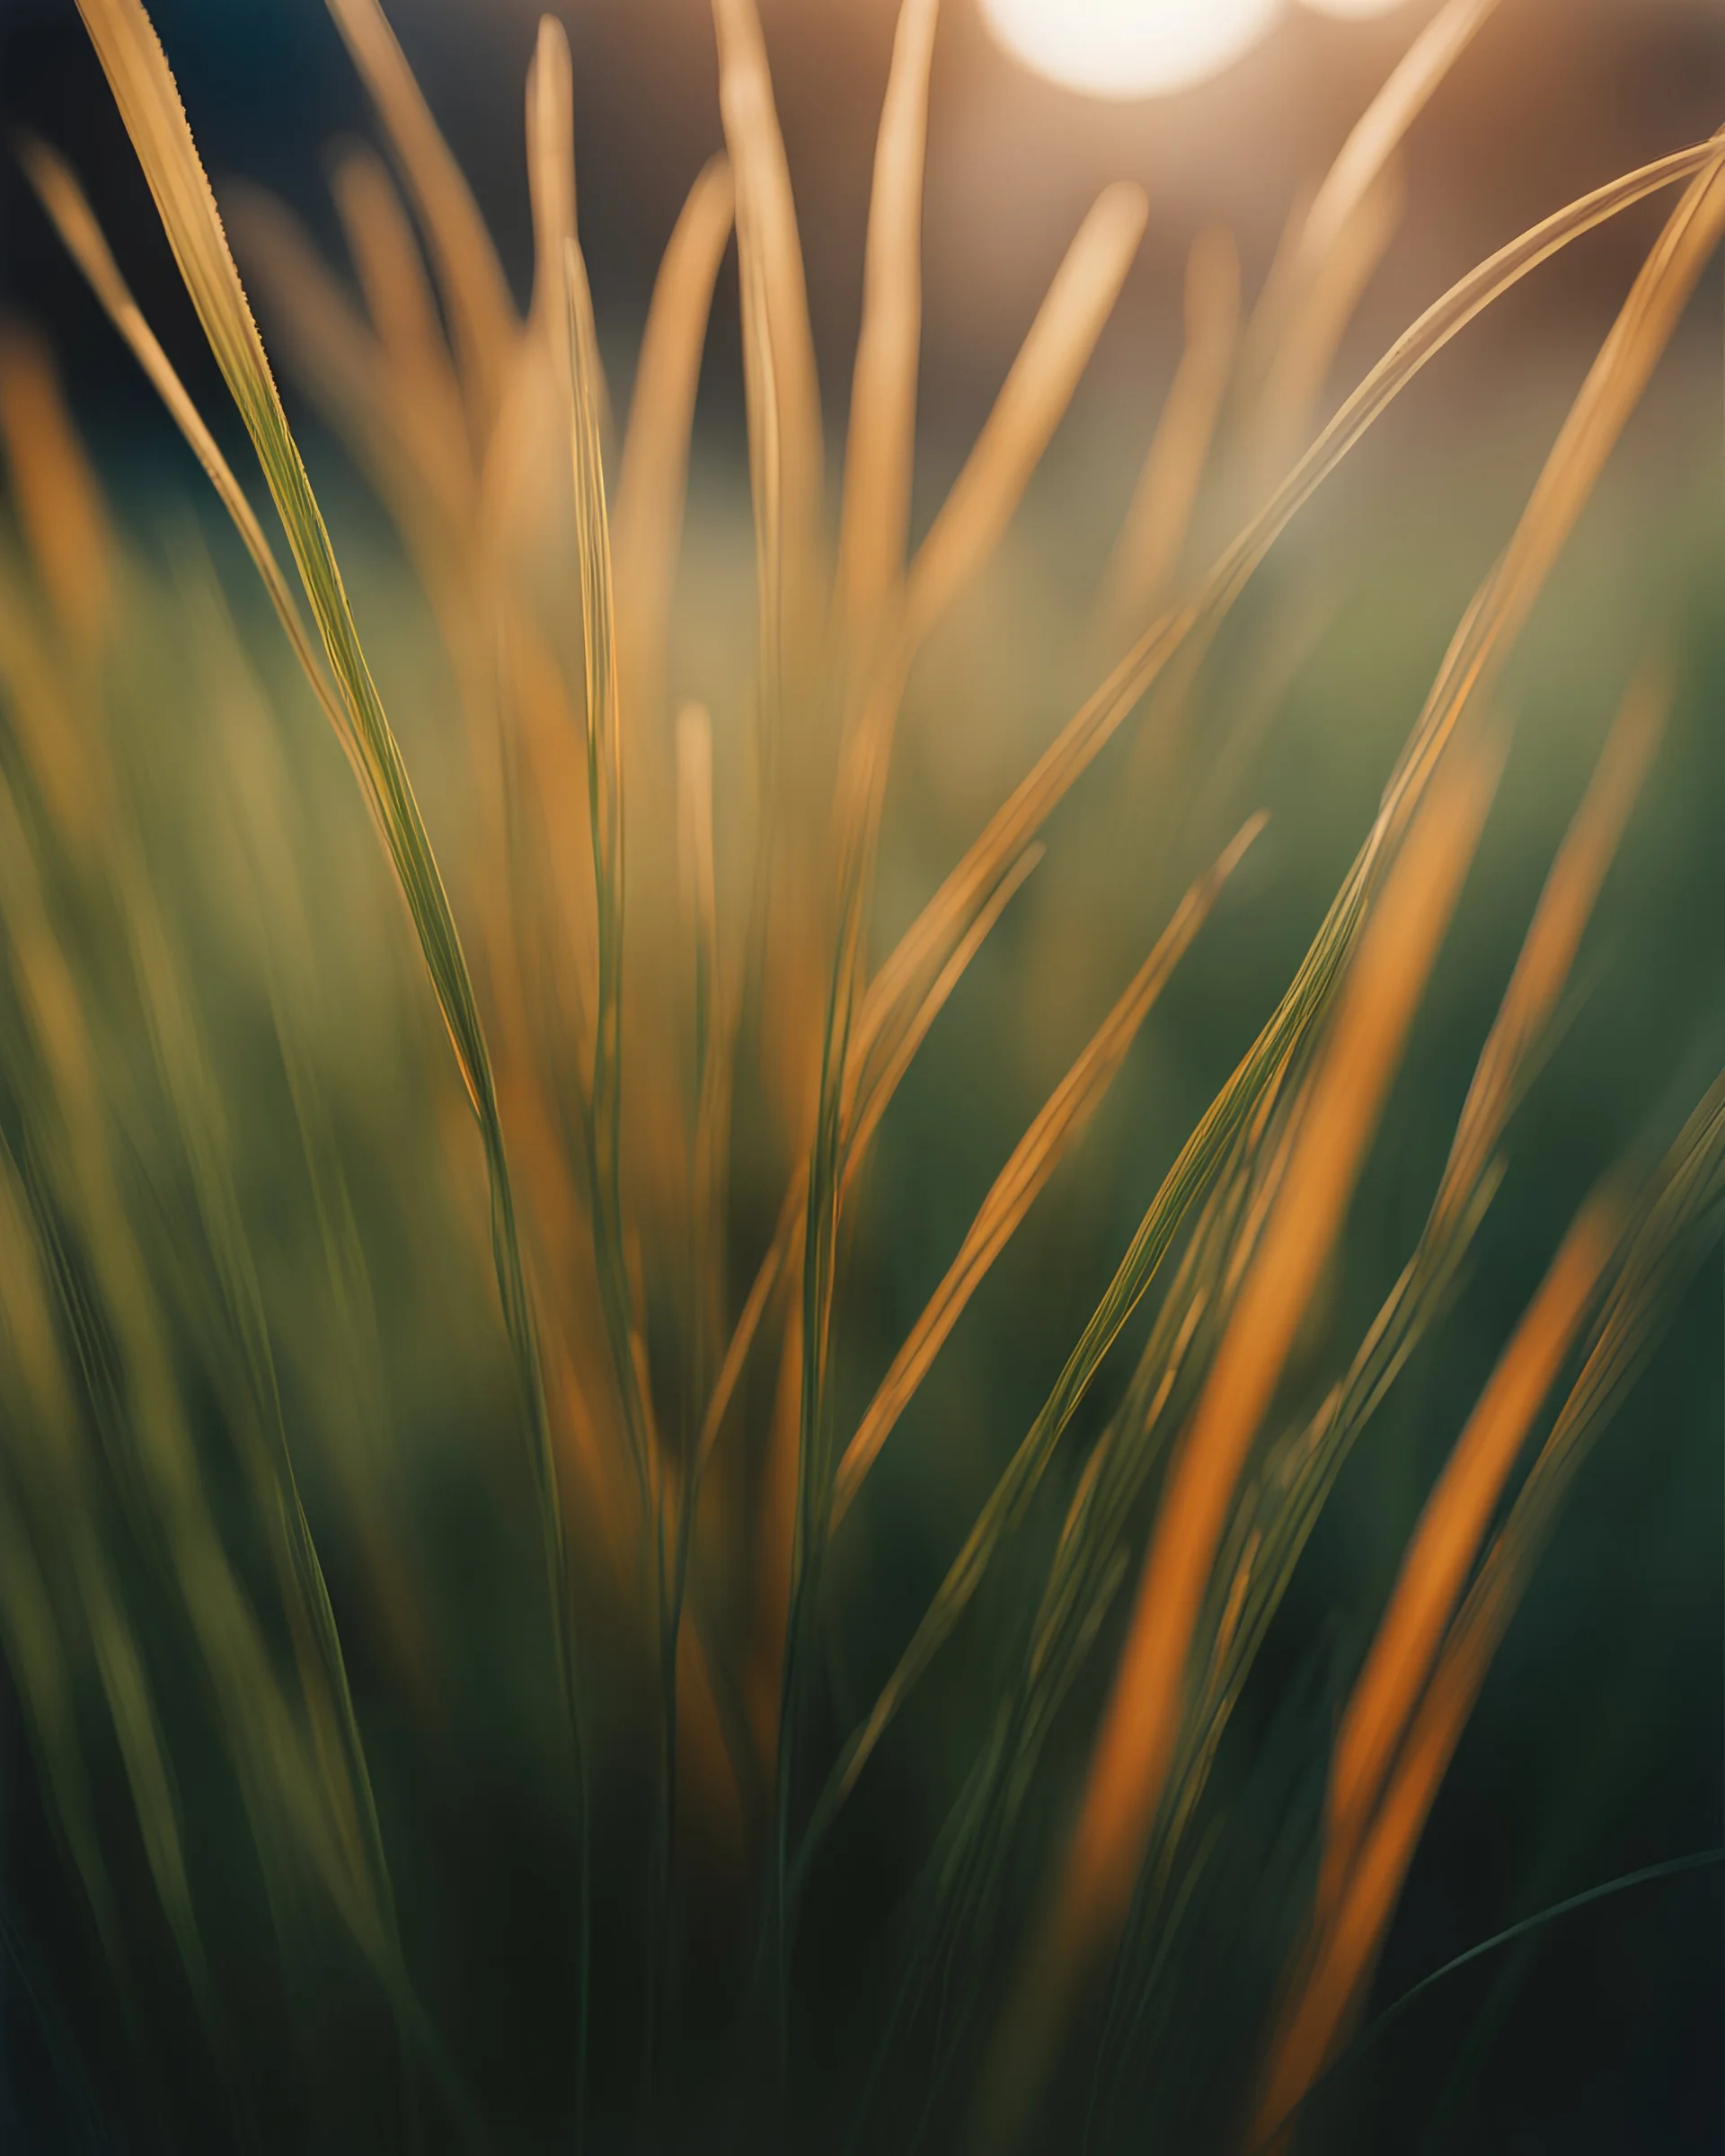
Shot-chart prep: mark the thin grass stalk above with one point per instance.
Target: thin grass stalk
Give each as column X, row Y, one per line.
column 1439, row 1559
column 875, row 519
column 1026, row 1174
column 1272, row 1524
column 1675, row 1222
column 475, row 293
column 1019, row 818
column 1031, row 401
column 70, row 212
column 1135, row 1747
column 652, row 477
column 1154, row 534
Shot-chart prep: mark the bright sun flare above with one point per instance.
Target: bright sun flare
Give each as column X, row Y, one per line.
column 1128, row 47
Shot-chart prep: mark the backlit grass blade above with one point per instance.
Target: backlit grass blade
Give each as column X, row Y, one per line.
column 1032, row 403
column 871, row 1091
column 1447, row 1542
column 1379, row 996
column 1297, row 1474
column 144, row 89
column 475, row 293
column 1378, row 132
column 62, row 198
column 1676, row 1223
column 652, row 477
column 1146, row 555
column 875, row 522
column 766, row 238
column 605, row 799
column 1026, row 1174
column 943, row 919
column 55, row 491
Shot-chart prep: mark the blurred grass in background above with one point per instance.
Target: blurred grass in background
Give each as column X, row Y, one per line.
column 253, row 1343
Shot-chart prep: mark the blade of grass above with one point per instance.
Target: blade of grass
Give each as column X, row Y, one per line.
column 475, row 293
column 1034, row 1160
column 1029, row 406
column 1434, row 1568
column 919, row 950
column 875, row 522
column 1146, row 554
column 652, row 477
column 1380, row 992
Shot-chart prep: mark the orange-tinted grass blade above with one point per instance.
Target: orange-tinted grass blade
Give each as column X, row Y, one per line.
column 1454, row 1524
column 870, row 1091
column 1146, row 555
column 605, row 790
column 1554, row 935
column 475, row 293
column 1294, row 378
column 551, row 168
column 1020, row 816
column 1026, row 1174
column 653, row 478
column 64, row 201
column 875, row 522
column 1032, row 403
column 1378, row 998
column 1378, row 132
column 1332, row 1975
column 59, row 504
column 766, row 232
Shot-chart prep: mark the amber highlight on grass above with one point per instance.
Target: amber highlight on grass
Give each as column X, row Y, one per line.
column 1136, row 1742
column 649, row 927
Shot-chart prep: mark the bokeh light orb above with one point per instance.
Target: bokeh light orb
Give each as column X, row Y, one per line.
column 1129, row 49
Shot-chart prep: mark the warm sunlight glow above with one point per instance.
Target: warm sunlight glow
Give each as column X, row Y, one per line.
column 1355, row 11
column 1129, row 48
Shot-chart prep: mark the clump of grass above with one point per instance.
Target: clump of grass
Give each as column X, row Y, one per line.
column 652, row 948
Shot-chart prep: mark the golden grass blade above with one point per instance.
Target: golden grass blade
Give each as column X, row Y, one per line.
column 1548, row 952
column 59, row 504
column 1495, row 615
column 652, row 478
column 1135, row 1748
column 1378, row 133
column 767, row 233
column 336, row 358
column 710, row 1019
column 1293, row 378
column 1338, row 1965
column 404, row 314
column 1676, row 1225
column 42, row 714
column 64, row 201
column 875, row 522
column 1026, row 1174
column 1146, row 555
column 390, row 267
column 551, row 169
column 1435, row 1567
column 605, row 794
column 871, row 1091
column 1378, row 998
column 475, row 293
column 1030, row 405
column 872, row 1084
column 149, row 103
column 1019, row 817
column 1328, row 1978
column 1361, row 164
column 1272, row 1525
